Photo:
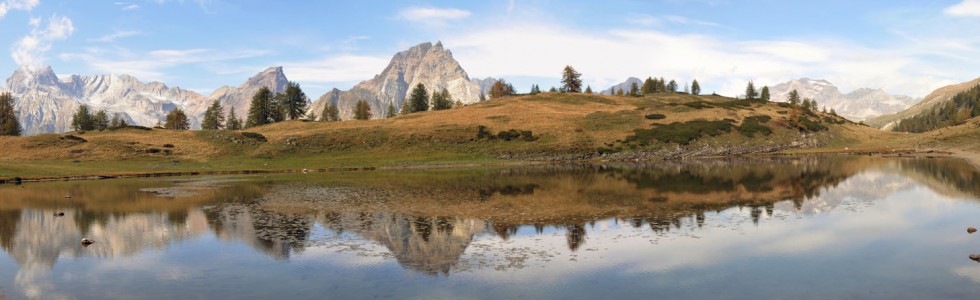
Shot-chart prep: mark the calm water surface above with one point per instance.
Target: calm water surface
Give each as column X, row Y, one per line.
column 836, row 227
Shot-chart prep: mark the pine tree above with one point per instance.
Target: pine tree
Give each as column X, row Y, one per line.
column 9, row 125
column 661, row 85
column 362, row 110
column 294, row 101
column 442, row 100
column 672, row 86
column 391, row 112
column 588, row 89
column 214, row 117
column 262, row 110
column 794, row 97
column 277, row 108
column 419, row 99
column 764, row 96
column 619, row 92
column 695, row 87
column 114, row 123
column 458, row 104
column 233, row 122
column 83, row 119
column 535, row 89
column 750, row 92
column 571, row 80
column 634, row 90
column 311, row 116
column 833, row 112
column 807, row 106
column 649, row 86
column 553, row 90
column 101, row 120
column 177, row 120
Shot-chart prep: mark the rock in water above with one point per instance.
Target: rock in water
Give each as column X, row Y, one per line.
column 975, row 257
column 971, row 230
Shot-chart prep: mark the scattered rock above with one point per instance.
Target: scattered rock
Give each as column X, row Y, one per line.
column 971, row 230
column 86, row 242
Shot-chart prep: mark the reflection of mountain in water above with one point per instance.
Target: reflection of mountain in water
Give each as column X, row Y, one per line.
column 427, row 220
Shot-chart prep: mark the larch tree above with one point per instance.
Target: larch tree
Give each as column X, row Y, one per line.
column 794, row 97
column 750, row 92
column 571, row 80
column 83, row 119
column 294, row 101
column 233, row 123
column 101, row 120
column 177, row 120
column 362, row 110
column 672, row 86
column 695, row 87
column 442, row 100
column 262, row 109
column 764, row 95
column 9, row 124
column 391, row 112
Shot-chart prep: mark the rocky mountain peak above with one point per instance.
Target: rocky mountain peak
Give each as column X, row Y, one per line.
column 857, row 105
column 273, row 77
column 26, row 78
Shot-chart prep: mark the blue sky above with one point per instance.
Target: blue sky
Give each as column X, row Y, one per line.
column 907, row 47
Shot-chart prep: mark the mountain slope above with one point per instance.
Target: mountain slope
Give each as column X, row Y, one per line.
column 240, row 97
column 625, row 86
column 857, row 105
column 46, row 103
column 938, row 97
column 428, row 64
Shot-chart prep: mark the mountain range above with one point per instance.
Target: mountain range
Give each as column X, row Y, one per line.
column 46, row 103
column 938, row 97
column 858, row 105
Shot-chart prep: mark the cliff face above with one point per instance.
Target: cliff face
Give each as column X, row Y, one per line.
column 428, row 64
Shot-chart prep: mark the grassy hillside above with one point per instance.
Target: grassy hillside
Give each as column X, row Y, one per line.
column 931, row 101
column 546, row 126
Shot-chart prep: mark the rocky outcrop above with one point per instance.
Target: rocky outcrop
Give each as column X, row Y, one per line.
column 857, row 105
column 240, row 97
column 428, row 64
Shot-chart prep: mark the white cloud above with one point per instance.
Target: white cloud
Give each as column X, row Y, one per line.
column 432, row 16
column 112, row 37
column 648, row 20
column 8, row 5
column 29, row 50
column 540, row 50
column 340, row 68
column 151, row 65
column 967, row 8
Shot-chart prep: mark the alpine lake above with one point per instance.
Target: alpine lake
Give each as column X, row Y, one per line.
column 809, row 227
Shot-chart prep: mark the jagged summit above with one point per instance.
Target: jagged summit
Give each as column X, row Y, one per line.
column 240, row 97
column 857, row 105
column 425, row 63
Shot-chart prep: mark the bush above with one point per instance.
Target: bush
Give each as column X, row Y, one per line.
column 807, row 125
column 153, row 150
column 528, row 136
column 255, row 136
column 698, row 105
column 655, row 117
column 680, row 133
column 509, row 135
column 483, row 133
column 168, row 145
column 73, row 138
column 755, row 124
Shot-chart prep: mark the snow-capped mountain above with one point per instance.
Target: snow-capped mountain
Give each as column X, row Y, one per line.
column 47, row 103
column 240, row 97
column 857, row 105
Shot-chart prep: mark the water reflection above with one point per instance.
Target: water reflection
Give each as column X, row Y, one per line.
column 428, row 221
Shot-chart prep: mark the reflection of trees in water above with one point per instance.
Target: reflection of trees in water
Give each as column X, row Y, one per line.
column 275, row 234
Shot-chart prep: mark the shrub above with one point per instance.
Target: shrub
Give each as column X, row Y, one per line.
column 509, row 135
column 680, row 133
column 807, row 125
column 168, row 145
column 755, row 124
column 255, row 136
column 528, row 136
column 73, row 138
column 153, row 150
column 698, row 105
column 483, row 133
column 655, row 117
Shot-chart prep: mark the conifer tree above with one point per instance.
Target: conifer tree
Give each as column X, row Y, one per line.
column 177, row 120
column 588, row 89
column 571, row 80
column 649, row 86
column 442, row 100
column 695, row 87
column 233, row 122
column 294, row 101
column 263, row 108
column 661, row 85
column 9, row 124
column 634, row 90
column 672, row 86
column 114, row 123
column 391, row 112
column 214, row 117
column 419, row 99
column 750, row 92
column 500, row 89
column 553, row 90
column 794, row 97
column 101, row 120
column 764, row 95
column 619, row 92
column 362, row 110
column 83, row 119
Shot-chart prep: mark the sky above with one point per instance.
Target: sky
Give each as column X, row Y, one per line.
column 906, row 47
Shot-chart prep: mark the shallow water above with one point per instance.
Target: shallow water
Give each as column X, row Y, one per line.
column 811, row 227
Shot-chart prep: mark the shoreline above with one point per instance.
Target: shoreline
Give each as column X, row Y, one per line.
column 971, row 158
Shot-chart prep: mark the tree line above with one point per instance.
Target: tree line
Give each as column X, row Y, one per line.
column 9, row 125
column 956, row 111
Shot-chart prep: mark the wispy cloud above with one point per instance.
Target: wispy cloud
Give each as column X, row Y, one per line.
column 344, row 68
column 152, row 65
column 648, row 20
column 967, row 8
column 29, row 51
column 205, row 5
column 432, row 16
column 112, row 37
column 8, row 5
